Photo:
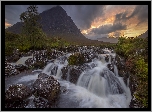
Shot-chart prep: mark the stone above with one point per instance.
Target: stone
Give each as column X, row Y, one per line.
column 20, row 67
column 17, row 92
column 42, row 103
column 111, row 67
column 10, row 70
column 48, row 88
column 17, row 104
column 42, row 76
column 74, row 74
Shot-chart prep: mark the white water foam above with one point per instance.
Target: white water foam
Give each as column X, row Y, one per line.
column 86, row 99
column 28, row 77
column 23, row 59
column 97, row 87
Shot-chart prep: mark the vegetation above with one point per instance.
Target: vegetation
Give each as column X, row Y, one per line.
column 31, row 27
column 135, row 52
column 76, row 59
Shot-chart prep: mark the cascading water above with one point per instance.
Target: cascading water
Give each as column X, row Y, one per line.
column 96, row 87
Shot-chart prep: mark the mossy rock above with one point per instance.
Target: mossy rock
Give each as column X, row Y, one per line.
column 76, row 59
column 39, row 64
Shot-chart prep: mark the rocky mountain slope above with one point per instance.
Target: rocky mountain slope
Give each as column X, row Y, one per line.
column 56, row 23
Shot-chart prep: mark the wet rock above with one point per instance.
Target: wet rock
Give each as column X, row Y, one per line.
column 64, row 72
column 20, row 67
column 54, row 70
column 113, row 82
column 15, row 58
column 29, row 62
column 111, row 67
column 42, row 76
column 39, row 64
column 17, row 92
column 17, row 104
column 120, row 63
column 126, row 76
column 74, row 74
column 86, row 66
column 42, row 103
column 107, row 58
column 76, row 59
column 10, row 70
column 48, row 88
column 72, row 49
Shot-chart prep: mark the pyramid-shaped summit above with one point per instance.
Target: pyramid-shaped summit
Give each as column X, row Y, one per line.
column 55, row 22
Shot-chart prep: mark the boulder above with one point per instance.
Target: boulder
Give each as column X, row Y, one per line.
column 111, row 67
column 20, row 67
column 42, row 76
column 64, row 72
column 39, row 64
column 17, row 92
column 73, row 71
column 29, row 62
column 120, row 63
column 74, row 74
column 17, row 104
column 42, row 103
column 10, row 70
column 48, row 88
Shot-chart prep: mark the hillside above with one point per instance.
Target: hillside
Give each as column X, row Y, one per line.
column 56, row 23
column 144, row 35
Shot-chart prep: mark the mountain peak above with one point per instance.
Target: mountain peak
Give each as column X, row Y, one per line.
column 56, row 23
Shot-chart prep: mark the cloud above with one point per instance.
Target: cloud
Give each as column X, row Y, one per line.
column 105, row 29
column 121, row 17
column 141, row 12
column 95, row 36
column 12, row 12
column 7, row 24
column 84, row 15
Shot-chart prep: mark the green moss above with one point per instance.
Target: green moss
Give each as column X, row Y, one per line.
column 76, row 59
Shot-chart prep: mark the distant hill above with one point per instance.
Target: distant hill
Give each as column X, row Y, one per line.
column 110, row 40
column 56, row 23
column 144, row 35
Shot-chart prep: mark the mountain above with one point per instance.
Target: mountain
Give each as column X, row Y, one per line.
column 144, row 35
column 16, row 28
column 110, row 40
column 56, row 22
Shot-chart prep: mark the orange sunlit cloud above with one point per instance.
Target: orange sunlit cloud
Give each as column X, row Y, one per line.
column 110, row 16
column 7, row 25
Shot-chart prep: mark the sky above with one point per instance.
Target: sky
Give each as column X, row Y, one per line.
column 95, row 21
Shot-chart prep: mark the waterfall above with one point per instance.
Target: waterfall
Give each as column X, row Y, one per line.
column 48, row 69
column 59, row 73
column 68, row 75
column 96, row 86
column 116, row 70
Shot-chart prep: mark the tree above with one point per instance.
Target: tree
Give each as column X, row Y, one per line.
column 31, row 27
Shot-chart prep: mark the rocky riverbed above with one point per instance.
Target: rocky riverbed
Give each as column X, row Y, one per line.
column 53, row 79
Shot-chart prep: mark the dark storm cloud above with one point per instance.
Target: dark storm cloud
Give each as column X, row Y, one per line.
column 105, row 29
column 121, row 17
column 141, row 11
column 12, row 12
column 84, row 15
